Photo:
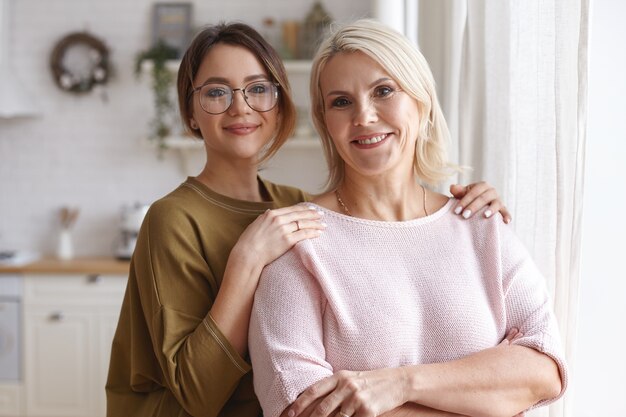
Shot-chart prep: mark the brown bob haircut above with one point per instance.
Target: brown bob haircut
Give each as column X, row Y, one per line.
column 238, row 34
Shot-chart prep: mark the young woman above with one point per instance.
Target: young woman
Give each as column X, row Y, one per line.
column 181, row 344
column 400, row 307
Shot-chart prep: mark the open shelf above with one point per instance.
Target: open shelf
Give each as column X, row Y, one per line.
column 187, row 143
column 183, row 143
column 298, row 66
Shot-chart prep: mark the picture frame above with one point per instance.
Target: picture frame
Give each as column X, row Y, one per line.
column 171, row 23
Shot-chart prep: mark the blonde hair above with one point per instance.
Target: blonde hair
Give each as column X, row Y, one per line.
column 407, row 66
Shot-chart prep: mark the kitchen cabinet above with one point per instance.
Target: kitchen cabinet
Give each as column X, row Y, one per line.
column 69, row 322
column 59, row 378
column 67, row 318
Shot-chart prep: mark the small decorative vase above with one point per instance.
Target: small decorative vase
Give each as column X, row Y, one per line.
column 65, row 248
column 315, row 27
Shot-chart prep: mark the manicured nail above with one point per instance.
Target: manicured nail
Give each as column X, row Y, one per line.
column 467, row 213
column 323, row 224
column 291, row 413
column 488, row 213
column 320, row 212
column 507, row 220
column 458, row 209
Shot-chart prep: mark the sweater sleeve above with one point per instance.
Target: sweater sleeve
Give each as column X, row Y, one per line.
column 528, row 305
column 177, row 289
column 286, row 333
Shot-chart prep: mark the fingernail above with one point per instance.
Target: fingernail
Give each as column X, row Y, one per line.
column 291, row 413
column 458, row 209
column 323, row 224
column 320, row 212
column 467, row 213
column 507, row 220
column 488, row 213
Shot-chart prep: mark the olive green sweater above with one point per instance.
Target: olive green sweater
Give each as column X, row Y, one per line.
column 168, row 356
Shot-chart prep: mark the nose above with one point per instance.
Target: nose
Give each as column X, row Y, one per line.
column 365, row 113
column 238, row 104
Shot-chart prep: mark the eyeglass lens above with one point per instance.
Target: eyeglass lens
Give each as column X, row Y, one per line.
column 261, row 96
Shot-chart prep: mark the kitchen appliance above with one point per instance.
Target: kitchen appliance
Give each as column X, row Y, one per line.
column 10, row 337
column 130, row 223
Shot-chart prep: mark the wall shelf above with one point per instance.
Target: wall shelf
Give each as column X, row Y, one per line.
column 298, row 66
column 187, row 143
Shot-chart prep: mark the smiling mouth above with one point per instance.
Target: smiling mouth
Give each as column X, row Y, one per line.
column 241, row 129
column 373, row 140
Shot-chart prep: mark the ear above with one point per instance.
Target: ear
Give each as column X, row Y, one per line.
column 193, row 124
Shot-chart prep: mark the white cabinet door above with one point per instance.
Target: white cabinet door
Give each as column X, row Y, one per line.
column 59, row 365
column 69, row 326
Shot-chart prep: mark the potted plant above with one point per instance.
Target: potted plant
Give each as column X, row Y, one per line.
column 162, row 81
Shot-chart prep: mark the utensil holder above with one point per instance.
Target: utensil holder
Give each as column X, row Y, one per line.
column 65, row 248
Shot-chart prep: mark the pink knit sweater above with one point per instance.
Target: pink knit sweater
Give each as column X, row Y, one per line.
column 372, row 294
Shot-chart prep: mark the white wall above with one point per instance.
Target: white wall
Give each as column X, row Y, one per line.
column 600, row 368
column 86, row 152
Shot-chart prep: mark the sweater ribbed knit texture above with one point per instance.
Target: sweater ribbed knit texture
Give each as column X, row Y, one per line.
column 372, row 294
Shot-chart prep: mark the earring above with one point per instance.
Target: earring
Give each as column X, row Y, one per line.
column 193, row 124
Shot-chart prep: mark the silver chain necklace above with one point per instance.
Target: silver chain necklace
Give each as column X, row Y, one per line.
column 347, row 211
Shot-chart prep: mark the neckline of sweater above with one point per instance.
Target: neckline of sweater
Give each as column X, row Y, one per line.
column 404, row 223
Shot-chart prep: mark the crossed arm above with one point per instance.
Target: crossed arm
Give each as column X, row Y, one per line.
column 500, row 381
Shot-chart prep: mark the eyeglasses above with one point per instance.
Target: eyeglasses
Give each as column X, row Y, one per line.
column 216, row 98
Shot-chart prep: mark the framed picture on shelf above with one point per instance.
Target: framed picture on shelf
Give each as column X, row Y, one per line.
column 171, row 24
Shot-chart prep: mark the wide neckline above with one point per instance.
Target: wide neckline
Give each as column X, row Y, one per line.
column 383, row 223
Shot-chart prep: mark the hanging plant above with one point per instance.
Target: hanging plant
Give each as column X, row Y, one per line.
column 162, row 82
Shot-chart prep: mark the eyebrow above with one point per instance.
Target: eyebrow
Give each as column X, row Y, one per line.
column 222, row 80
column 342, row 93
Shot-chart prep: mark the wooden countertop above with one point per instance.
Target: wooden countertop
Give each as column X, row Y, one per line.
column 86, row 265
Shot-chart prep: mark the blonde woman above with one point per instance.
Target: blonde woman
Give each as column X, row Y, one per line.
column 400, row 307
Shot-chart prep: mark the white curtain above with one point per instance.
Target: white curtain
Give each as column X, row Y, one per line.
column 512, row 77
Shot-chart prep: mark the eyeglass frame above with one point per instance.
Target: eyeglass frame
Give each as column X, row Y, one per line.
column 232, row 96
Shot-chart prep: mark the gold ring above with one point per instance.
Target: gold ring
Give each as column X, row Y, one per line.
column 342, row 414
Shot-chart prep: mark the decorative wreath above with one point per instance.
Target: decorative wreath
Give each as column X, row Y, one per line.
column 79, row 62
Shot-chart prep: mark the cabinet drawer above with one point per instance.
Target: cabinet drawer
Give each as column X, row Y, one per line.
column 74, row 289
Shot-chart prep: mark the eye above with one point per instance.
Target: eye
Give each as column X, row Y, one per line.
column 215, row 92
column 340, row 102
column 383, row 91
column 260, row 88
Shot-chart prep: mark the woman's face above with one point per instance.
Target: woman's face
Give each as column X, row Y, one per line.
column 371, row 121
column 240, row 132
